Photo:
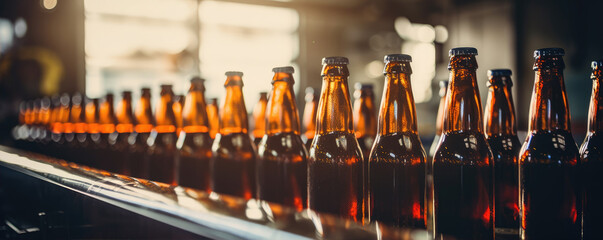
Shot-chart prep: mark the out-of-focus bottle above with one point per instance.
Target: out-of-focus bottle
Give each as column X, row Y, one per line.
column 213, row 116
column 259, row 118
column 501, row 133
column 397, row 161
column 462, row 164
column 591, row 153
column 106, row 157
column 309, row 118
column 194, row 142
column 365, row 117
column 162, row 140
column 91, row 145
column 233, row 152
column 282, row 156
column 177, row 106
column 75, row 128
column 123, row 129
column 335, row 177
column 549, row 161
column 44, row 137
column 439, row 117
column 139, row 159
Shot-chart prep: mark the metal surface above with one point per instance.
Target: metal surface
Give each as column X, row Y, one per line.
column 209, row 215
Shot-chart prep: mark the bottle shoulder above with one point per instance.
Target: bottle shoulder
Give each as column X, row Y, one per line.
column 282, row 144
column 233, row 145
column 549, row 147
column 335, row 147
column 592, row 147
column 463, row 147
column 194, row 142
column 398, row 147
column 504, row 146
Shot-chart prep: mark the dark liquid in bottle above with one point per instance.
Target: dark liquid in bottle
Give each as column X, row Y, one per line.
column 335, row 176
column 592, row 165
column 505, row 150
column 398, row 185
column 194, row 164
column 162, row 158
column 284, row 165
column 233, row 166
column 549, row 187
column 137, row 158
column 462, row 181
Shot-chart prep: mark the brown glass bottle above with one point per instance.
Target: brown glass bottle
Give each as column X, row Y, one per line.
column 107, row 159
column 309, row 120
column 139, row 160
column 177, row 106
column 44, row 124
column 397, row 162
column 365, row 117
column 282, row 157
column 91, row 146
column 75, row 128
column 162, row 140
column 213, row 116
column 592, row 159
column 439, row 118
column 501, row 133
column 233, row 152
column 194, row 142
column 550, row 202
column 335, row 165
column 118, row 140
column 259, row 118
column 462, row 164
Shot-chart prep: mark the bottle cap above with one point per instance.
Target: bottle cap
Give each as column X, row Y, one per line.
column 597, row 64
column 197, row 79
column 363, row 86
column 234, row 73
column 335, row 60
column 499, row 72
column 543, row 52
column 286, row 69
column 460, row 51
column 310, row 90
column 166, row 86
column 397, row 58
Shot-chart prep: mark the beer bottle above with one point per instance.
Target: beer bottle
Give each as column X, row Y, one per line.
column 214, row 117
column 335, row 165
column 44, row 128
column 20, row 131
column 592, row 158
column 139, row 162
column 194, row 143
column 91, row 144
column 259, row 118
column 550, row 202
column 75, row 128
column 34, row 132
column 462, row 163
column 310, row 110
column 282, row 161
column 365, row 118
column 177, row 106
column 397, row 162
column 501, row 133
column 233, row 151
column 57, row 119
column 162, row 140
column 107, row 120
column 439, row 117
column 123, row 129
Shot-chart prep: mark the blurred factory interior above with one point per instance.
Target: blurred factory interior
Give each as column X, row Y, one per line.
column 49, row 47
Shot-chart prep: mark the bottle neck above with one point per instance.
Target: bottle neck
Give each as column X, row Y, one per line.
column 234, row 113
column 365, row 122
column 144, row 115
column 595, row 112
column 164, row 115
column 500, row 112
column 107, row 116
column 194, row 115
column 549, row 108
column 259, row 117
column 334, row 108
column 125, row 118
column 463, row 107
column 282, row 115
column 397, row 112
column 310, row 110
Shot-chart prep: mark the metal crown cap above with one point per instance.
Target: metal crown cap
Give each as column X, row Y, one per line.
column 543, row 52
column 197, row 79
column 335, row 60
column 597, row 64
column 234, row 73
column 397, row 58
column 499, row 72
column 462, row 51
column 286, row 69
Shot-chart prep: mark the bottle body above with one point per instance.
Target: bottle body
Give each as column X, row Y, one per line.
column 162, row 140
